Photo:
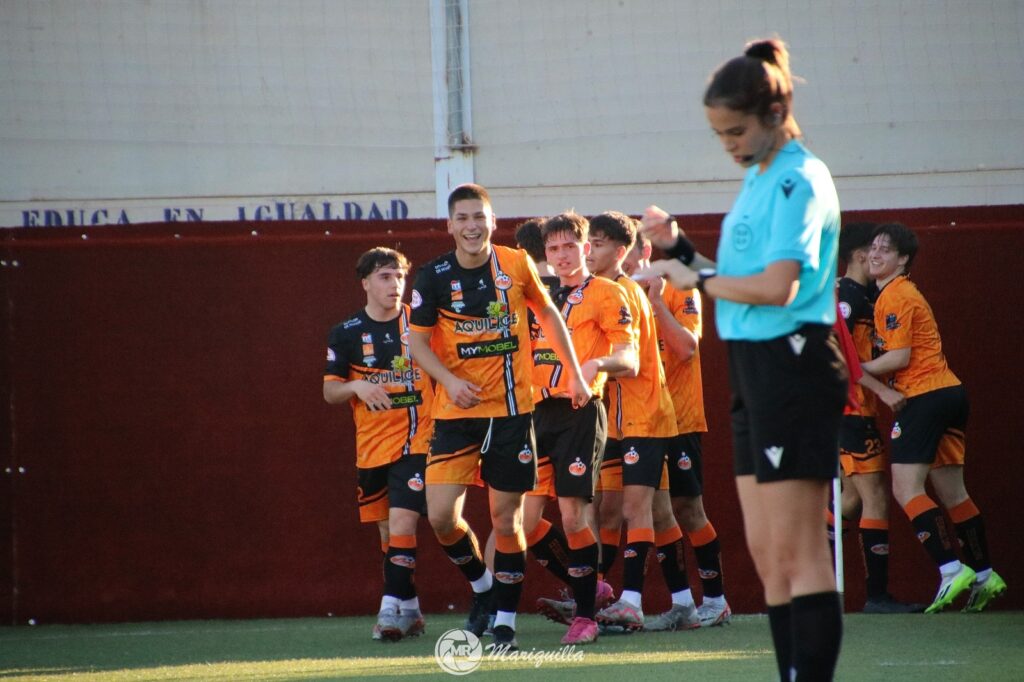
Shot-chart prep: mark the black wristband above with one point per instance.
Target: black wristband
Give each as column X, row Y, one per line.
column 683, row 248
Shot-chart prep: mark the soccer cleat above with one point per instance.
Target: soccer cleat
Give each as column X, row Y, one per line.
column 388, row 626
column 622, row 613
column 984, row 593
column 886, row 604
column 678, row 617
column 476, row 622
column 489, row 631
column 559, row 611
column 714, row 614
column 605, row 595
column 375, row 634
column 411, row 622
column 504, row 640
column 582, row 631
column 951, row 588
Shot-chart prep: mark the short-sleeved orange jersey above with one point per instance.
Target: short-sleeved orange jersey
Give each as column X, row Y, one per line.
column 597, row 315
column 641, row 406
column 857, row 309
column 479, row 328
column 903, row 319
column 378, row 352
column 683, row 376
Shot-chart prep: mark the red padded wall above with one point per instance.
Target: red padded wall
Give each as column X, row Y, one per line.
column 164, row 393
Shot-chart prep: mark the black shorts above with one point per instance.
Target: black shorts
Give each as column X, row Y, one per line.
column 504, row 447
column 574, row 440
column 926, row 421
column 685, row 466
column 788, row 395
column 643, row 460
column 397, row 485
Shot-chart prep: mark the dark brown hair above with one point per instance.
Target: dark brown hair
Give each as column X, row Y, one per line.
column 380, row 257
column 754, row 81
column 467, row 191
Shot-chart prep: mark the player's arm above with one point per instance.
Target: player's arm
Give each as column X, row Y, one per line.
column 463, row 393
column 664, row 232
column 888, row 362
column 890, row 396
column 554, row 330
column 621, row 362
column 777, row 284
column 678, row 338
column 374, row 395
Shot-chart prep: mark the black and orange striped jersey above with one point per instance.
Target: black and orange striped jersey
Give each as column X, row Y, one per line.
column 641, row 406
column 479, row 328
column 683, row 377
column 858, row 310
column 597, row 315
column 378, row 352
column 903, row 319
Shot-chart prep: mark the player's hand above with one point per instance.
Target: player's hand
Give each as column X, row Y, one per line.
column 579, row 392
column 373, row 396
column 589, row 369
column 681, row 276
column 463, row 393
column 655, row 287
column 659, row 227
column 894, row 399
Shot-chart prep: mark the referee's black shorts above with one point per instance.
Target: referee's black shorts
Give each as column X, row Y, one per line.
column 788, row 395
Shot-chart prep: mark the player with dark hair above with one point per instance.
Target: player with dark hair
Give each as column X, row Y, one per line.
column 776, row 307
column 470, row 334
column 928, row 434
column 369, row 367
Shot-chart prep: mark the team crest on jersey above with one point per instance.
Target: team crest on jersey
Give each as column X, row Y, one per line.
column 367, row 338
column 331, row 356
column 845, row 310
column 456, row 290
column 415, row 483
column 354, row 322
column 684, row 462
column 403, row 560
column 526, row 455
column 503, row 281
column 896, row 431
column 624, row 316
column 742, row 237
column 579, row 571
column 404, row 338
column 631, row 456
column 400, row 364
column 690, row 306
column 891, row 322
column 509, row 577
column 575, row 298
column 417, row 300
column 577, row 468
column 443, row 266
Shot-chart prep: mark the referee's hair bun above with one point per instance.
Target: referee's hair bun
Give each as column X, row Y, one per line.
column 765, row 50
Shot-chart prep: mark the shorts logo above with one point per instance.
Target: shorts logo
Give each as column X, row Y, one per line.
column 575, row 298
column 880, row 549
column 415, row 483
column 417, row 300
column 577, row 468
column 684, row 462
column 923, row 536
column 629, row 554
column 631, row 456
column 896, row 431
column 526, row 455
column 509, row 577
column 403, row 560
column 331, row 357
column 580, row 571
column 503, row 281
column 845, row 309
column 891, row 322
column 462, row 560
column 705, row 574
column 774, row 455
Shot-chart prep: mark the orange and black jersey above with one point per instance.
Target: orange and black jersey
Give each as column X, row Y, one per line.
column 378, row 352
column 683, row 377
column 857, row 307
column 479, row 328
column 641, row 406
column 903, row 319
column 597, row 315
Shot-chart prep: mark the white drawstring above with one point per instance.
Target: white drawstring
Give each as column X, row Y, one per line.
column 487, row 438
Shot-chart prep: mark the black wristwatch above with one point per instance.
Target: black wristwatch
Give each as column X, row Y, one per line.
column 703, row 275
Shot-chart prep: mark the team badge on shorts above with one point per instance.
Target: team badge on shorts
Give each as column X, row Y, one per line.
column 896, row 431
column 415, row 483
column 577, row 468
column 526, row 455
column 684, row 462
column 631, row 456
column 503, row 281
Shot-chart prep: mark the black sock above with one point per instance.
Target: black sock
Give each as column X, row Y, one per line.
column 398, row 573
column 875, row 545
column 780, row 622
column 672, row 559
column 465, row 553
column 709, row 566
column 634, row 565
column 971, row 534
column 552, row 552
column 931, row 531
column 583, row 578
column 509, row 571
column 817, row 631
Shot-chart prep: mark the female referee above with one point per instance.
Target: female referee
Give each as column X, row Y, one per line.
column 775, row 286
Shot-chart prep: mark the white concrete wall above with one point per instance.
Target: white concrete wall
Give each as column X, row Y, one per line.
column 185, row 109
